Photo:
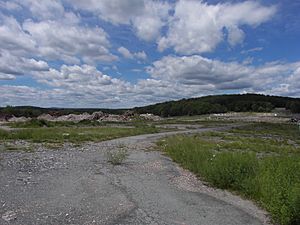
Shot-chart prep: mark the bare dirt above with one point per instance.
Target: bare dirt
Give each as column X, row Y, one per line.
column 76, row 185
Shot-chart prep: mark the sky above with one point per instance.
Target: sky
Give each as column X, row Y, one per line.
column 126, row 53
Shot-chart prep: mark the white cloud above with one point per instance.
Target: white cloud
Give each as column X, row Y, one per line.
column 197, row 27
column 141, row 55
column 196, row 71
column 62, row 38
column 82, row 79
column 114, row 11
column 69, row 42
column 45, row 9
column 257, row 49
column 154, row 16
column 146, row 16
column 13, row 38
column 127, row 54
column 4, row 76
column 11, row 65
column 11, row 6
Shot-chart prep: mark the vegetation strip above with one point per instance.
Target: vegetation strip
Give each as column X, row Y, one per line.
column 259, row 161
column 73, row 134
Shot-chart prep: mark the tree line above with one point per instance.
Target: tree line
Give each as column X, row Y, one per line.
column 222, row 104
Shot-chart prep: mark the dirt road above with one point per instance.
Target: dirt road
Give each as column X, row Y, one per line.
column 76, row 185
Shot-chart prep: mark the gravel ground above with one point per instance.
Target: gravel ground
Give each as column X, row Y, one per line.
column 76, row 185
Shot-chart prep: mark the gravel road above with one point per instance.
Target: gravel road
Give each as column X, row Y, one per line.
column 76, row 185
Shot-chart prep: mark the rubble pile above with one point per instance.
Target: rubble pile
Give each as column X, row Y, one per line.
column 95, row 116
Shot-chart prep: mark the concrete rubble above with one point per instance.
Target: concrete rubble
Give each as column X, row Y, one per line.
column 95, row 116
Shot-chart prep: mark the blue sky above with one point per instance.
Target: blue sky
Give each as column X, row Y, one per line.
column 124, row 53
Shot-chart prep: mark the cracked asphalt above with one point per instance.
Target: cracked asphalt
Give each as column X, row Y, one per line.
column 76, row 185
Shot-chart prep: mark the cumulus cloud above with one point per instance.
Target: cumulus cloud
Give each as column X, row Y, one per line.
column 11, row 65
column 114, row 11
column 196, row 71
column 45, row 9
column 146, row 16
column 69, row 42
column 13, row 38
column 61, row 39
column 82, row 79
column 198, row 27
column 154, row 16
column 127, row 54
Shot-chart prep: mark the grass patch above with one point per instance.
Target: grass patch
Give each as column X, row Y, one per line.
column 73, row 134
column 259, row 161
column 36, row 123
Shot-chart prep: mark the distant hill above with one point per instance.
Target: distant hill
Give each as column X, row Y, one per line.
column 222, row 104
column 192, row 106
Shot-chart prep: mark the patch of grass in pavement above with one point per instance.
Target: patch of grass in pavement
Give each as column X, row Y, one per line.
column 117, row 156
column 73, row 134
column 259, row 161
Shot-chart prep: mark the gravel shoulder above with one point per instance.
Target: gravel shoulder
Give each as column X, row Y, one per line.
column 76, row 185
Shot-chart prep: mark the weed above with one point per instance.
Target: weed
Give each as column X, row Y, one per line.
column 116, row 157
